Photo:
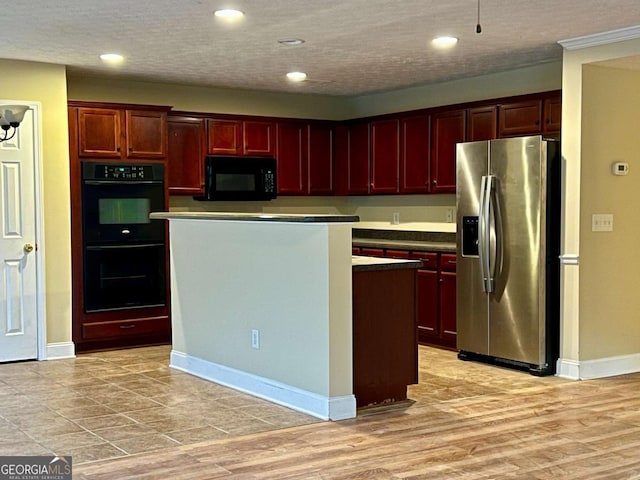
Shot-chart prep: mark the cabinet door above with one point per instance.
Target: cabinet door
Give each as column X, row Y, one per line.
column 552, row 114
column 427, row 303
column 448, row 307
column 520, row 118
column 185, row 161
column 99, row 132
column 414, row 154
column 258, row 138
column 482, row 123
column 385, row 156
column 291, row 157
column 447, row 129
column 224, row 136
column 146, row 134
column 320, row 154
column 358, row 159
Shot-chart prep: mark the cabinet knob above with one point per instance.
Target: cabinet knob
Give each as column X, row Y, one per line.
column 130, row 149
column 117, row 149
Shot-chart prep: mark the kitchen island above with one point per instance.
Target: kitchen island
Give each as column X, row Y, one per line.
column 263, row 303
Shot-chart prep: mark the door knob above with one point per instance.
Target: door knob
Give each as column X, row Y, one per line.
column 28, row 247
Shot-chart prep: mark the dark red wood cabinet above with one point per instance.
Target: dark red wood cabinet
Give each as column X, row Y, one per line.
column 240, row 137
column 320, row 158
column 482, row 123
column 121, row 134
column 358, row 148
column 447, row 129
column 531, row 117
column 185, row 156
column 385, row 156
column 447, row 299
column 414, row 154
column 291, row 155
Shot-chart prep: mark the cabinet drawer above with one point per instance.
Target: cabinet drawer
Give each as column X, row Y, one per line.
column 429, row 259
column 372, row 252
column 355, row 250
column 448, row 262
column 396, row 253
column 121, row 328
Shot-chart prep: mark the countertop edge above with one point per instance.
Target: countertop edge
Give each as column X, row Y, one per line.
column 254, row 217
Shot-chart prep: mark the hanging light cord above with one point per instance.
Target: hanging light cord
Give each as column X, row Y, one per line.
column 478, row 27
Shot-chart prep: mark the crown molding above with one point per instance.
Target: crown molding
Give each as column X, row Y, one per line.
column 612, row 36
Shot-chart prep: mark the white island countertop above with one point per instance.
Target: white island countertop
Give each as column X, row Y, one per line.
column 360, row 263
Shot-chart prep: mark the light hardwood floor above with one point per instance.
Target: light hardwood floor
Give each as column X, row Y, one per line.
column 465, row 421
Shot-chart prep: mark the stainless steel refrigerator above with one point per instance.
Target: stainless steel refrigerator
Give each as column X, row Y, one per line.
column 508, row 247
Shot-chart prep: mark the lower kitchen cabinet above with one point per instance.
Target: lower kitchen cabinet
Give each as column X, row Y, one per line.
column 435, row 293
column 447, row 300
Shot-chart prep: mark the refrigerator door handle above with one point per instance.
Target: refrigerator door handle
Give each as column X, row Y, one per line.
column 483, row 236
column 494, row 226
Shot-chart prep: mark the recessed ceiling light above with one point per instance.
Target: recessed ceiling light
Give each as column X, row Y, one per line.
column 297, row 76
column 291, row 41
column 228, row 13
column 111, row 58
column 444, row 42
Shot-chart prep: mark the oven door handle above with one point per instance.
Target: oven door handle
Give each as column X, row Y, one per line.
column 97, row 248
column 122, row 182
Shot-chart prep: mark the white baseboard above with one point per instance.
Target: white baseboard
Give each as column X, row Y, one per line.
column 326, row 408
column 599, row 368
column 58, row 351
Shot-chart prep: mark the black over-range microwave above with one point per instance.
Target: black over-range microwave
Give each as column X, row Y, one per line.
column 239, row 178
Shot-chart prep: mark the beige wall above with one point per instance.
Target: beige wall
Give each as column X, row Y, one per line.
column 46, row 84
column 609, row 317
column 575, row 336
column 200, row 99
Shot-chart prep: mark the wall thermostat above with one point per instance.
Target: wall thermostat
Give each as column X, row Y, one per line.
column 620, row 168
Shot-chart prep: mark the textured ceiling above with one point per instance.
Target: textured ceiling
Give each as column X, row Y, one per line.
column 351, row 47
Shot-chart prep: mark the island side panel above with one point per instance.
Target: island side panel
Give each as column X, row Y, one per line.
column 229, row 278
column 385, row 347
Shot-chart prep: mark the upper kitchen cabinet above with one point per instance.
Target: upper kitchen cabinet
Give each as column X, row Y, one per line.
column 185, row 159
column 447, row 129
column 120, row 132
column 414, row 154
column 320, row 157
column 241, row 137
column 533, row 116
column 358, row 154
column 385, row 156
column 291, row 154
column 482, row 123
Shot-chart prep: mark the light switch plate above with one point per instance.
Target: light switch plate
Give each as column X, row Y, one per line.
column 602, row 222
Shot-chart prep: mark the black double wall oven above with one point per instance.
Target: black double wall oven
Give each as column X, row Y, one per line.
column 124, row 251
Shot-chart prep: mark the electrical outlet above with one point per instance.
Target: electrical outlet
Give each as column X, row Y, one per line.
column 449, row 214
column 602, row 222
column 255, row 339
column 396, row 218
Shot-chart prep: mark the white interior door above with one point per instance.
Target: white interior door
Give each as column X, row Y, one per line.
column 18, row 292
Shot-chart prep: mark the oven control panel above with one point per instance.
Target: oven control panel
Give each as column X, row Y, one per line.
column 125, row 172
column 122, row 171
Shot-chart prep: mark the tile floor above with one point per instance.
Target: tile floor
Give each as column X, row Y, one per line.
column 118, row 403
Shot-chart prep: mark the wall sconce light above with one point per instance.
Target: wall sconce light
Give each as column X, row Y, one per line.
column 10, row 117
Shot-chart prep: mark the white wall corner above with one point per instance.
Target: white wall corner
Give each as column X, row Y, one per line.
column 58, row 351
column 569, row 369
column 603, row 38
